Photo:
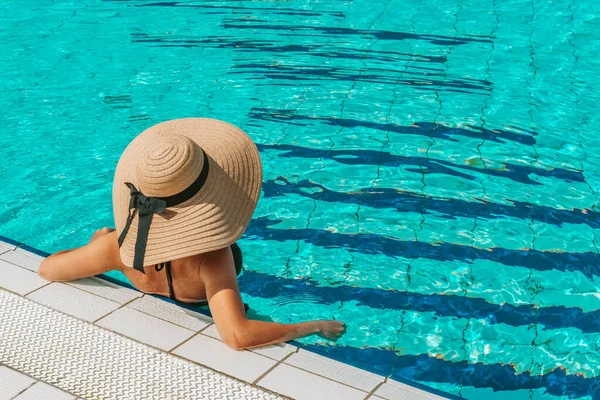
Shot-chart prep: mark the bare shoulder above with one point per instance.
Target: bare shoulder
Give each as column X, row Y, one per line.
column 216, row 262
column 222, row 291
column 218, row 272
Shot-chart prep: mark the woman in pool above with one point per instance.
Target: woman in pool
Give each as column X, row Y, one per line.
column 183, row 194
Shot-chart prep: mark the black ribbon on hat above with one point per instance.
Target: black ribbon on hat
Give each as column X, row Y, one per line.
column 148, row 206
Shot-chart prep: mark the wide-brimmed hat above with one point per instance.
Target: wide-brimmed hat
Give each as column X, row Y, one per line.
column 184, row 187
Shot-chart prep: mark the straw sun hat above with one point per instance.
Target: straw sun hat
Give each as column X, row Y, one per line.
column 184, row 187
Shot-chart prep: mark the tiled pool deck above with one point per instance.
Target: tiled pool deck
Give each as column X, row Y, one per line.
column 186, row 341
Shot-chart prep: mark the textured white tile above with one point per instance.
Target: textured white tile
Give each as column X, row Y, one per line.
column 277, row 351
column 212, row 353
column 23, row 258
column 4, row 247
column 171, row 312
column 106, row 289
column 335, row 370
column 12, row 383
column 19, row 280
column 299, row 384
column 393, row 390
column 72, row 301
column 43, row 391
column 145, row 328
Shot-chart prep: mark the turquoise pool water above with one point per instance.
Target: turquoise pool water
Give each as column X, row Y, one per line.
column 430, row 167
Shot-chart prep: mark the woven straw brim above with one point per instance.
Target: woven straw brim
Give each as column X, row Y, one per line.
column 212, row 219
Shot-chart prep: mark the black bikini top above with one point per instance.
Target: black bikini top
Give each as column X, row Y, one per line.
column 159, row 267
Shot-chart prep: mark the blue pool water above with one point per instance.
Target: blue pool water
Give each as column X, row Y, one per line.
column 430, row 167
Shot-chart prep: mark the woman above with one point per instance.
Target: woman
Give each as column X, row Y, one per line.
column 183, row 194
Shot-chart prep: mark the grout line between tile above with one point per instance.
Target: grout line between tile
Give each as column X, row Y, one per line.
column 18, row 294
column 13, row 263
column 76, row 288
column 26, row 389
column 34, row 382
column 43, row 286
column 23, row 391
column 106, row 315
column 26, row 269
column 206, row 327
column 224, row 373
column 372, row 392
column 321, row 376
column 17, row 265
column 272, row 368
column 185, row 341
column 169, row 352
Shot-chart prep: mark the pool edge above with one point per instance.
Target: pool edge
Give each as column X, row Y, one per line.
column 408, row 382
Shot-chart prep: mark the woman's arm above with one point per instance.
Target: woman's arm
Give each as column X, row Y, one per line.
column 96, row 257
column 227, row 309
column 96, row 235
column 259, row 333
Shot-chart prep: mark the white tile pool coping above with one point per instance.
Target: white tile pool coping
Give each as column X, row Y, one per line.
column 120, row 343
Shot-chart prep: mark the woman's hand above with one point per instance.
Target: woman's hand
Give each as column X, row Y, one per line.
column 101, row 232
column 331, row 330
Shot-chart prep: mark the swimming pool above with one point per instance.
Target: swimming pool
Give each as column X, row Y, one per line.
column 430, row 167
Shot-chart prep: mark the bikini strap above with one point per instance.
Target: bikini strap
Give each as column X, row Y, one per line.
column 159, row 267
